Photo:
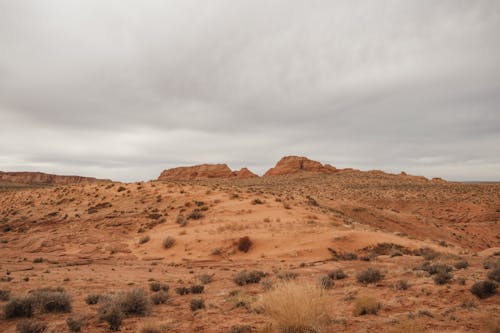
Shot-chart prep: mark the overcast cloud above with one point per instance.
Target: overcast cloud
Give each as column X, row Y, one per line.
column 124, row 89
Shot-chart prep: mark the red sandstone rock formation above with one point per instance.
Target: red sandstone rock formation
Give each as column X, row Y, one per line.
column 294, row 164
column 204, row 171
column 244, row 173
column 36, row 178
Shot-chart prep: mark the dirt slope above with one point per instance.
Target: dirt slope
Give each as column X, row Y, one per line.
column 91, row 238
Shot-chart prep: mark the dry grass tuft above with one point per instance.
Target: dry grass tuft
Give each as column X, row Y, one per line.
column 296, row 307
column 366, row 305
column 149, row 327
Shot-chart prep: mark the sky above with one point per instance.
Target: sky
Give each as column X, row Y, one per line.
column 124, row 89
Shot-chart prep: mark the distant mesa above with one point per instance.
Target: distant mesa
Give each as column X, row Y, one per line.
column 40, row 178
column 295, row 164
column 204, row 171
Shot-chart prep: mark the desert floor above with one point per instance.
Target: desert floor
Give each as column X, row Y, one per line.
column 108, row 237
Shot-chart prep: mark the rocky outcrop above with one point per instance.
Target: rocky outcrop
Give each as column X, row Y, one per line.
column 40, row 178
column 295, row 164
column 244, row 173
column 204, row 171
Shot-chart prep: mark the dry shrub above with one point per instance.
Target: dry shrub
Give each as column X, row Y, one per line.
column 160, row 297
column 325, row 281
column 51, row 300
column 442, row 277
column 134, row 302
column 144, row 240
column 244, row 244
column 182, row 290
column 366, row 305
column 196, row 289
column 131, row 303
column 4, row 295
column 197, row 304
column 370, row 275
column 75, row 323
column 31, row 326
column 484, row 289
column 157, row 286
column 205, row 278
column 92, row 299
column 19, row 307
column 242, row 278
column 494, row 274
column 287, row 275
column 196, row 214
column 296, row 307
column 112, row 313
column 168, row 242
column 401, row 285
column 337, row 274
column 461, row 264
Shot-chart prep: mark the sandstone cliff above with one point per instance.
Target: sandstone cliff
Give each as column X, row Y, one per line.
column 204, row 171
column 37, row 178
column 294, row 164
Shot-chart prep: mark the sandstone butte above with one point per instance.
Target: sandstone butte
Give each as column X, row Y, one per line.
column 39, row 178
column 294, row 164
column 204, row 171
column 287, row 165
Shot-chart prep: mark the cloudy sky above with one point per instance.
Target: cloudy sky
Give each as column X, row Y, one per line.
column 124, row 89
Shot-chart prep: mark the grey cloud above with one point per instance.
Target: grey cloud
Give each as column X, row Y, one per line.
column 122, row 89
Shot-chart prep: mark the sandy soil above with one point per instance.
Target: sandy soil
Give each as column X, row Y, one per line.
column 89, row 238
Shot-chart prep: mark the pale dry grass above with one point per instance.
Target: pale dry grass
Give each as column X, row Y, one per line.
column 366, row 305
column 149, row 327
column 296, row 307
column 408, row 326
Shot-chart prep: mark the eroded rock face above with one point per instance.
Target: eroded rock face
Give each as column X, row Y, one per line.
column 194, row 172
column 244, row 173
column 294, row 164
column 204, row 171
column 45, row 178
